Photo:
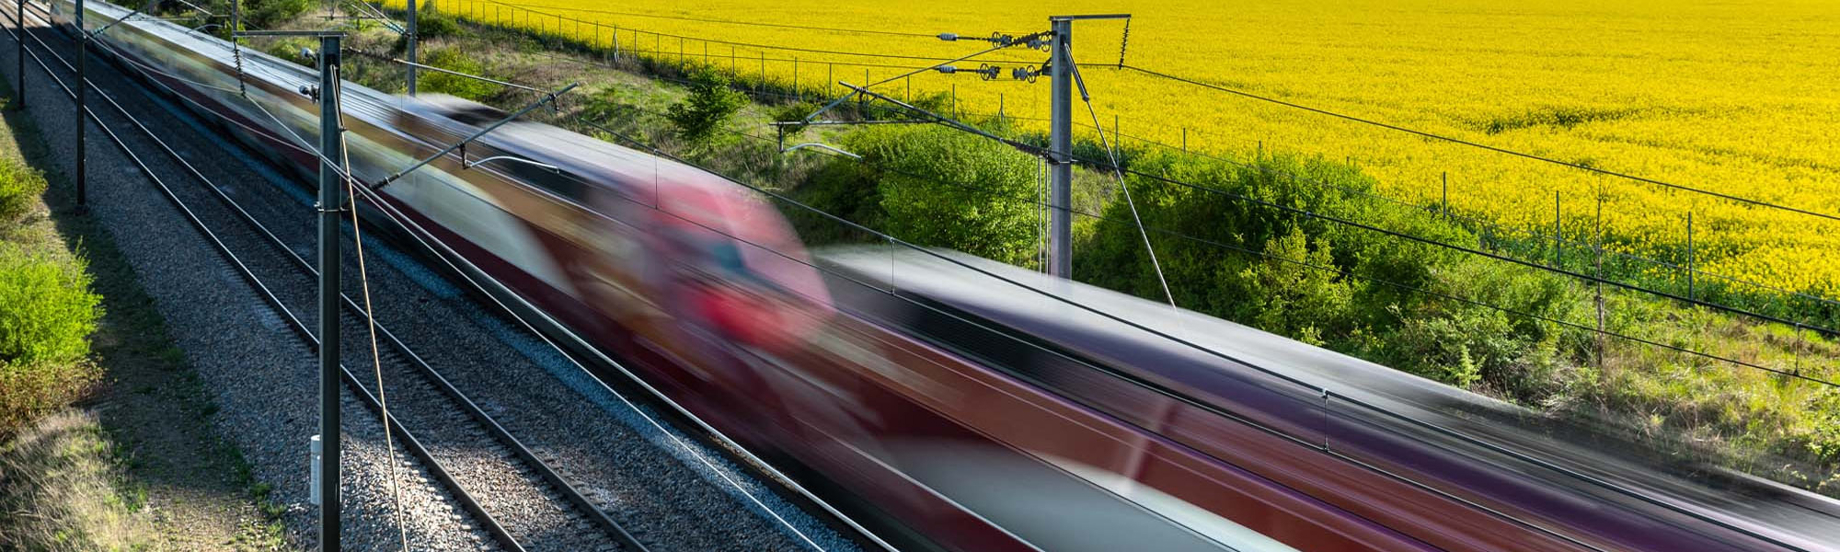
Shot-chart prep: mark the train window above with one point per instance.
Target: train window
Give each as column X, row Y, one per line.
column 476, row 115
column 563, row 185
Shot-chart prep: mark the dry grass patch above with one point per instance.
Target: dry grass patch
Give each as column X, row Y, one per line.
column 58, row 490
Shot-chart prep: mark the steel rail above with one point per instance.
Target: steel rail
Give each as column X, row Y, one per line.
column 747, row 458
column 548, row 474
column 442, row 383
column 410, row 442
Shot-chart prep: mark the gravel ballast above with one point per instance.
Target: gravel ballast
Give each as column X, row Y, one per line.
column 662, row 486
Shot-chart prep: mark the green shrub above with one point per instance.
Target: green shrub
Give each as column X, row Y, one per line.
column 796, row 111
column 46, row 308
column 1399, row 302
column 20, row 187
column 432, row 23
column 842, row 188
column 709, row 107
column 46, row 315
column 940, row 187
column 264, row 14
column 452, row 59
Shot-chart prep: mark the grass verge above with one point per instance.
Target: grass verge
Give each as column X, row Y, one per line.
column 134, row 463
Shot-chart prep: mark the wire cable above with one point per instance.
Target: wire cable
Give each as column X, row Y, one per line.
column 1694, row 301
column 1113, row 155
column 1460, row 141
column 370, row 318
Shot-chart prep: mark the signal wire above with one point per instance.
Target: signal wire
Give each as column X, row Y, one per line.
column 1460, row 141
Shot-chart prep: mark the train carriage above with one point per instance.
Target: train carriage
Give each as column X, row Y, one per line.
column 964, row 402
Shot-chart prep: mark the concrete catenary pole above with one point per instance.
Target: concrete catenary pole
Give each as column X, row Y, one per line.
column 331, row 150
column 1060, row 154
column 409, row 48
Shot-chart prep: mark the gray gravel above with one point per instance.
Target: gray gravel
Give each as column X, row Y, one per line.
column 645, row 477
column 263, row 379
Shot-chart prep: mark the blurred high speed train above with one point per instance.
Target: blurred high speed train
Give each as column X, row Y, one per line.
column 963, row 404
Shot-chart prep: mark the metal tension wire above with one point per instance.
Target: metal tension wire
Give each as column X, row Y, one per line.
column 482, row 132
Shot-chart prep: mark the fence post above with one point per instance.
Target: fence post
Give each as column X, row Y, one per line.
column 1599, row 252
column 1445, row 178
column 1690, row 291
column 830, row 82
column 1558, row 235
column 796, row 92
column 1184, row 139
column 1000, row 115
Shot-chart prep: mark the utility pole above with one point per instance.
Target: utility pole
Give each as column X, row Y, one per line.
column 331, row 149
column 82, row 66
column 410, row 48
column 1060, row 143
column 1060, row 151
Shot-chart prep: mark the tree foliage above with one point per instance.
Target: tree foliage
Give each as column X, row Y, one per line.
column 1252, row 256
column 711, row 104
column 940, row 187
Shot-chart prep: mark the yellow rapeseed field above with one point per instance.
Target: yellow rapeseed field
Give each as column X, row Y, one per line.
column 1741, row 97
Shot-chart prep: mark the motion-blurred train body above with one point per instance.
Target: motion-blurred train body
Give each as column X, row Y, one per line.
column 960, row 403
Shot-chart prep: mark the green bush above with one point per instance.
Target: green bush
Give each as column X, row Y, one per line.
column 452, row 59
column 1379, row 297
column 432, row 23
column 940, row 187
column 264, row 14
column 709, row 107
column 841, row 188
column 46, row 309
column 795, row 111
column 20, row 187
column 46, row 315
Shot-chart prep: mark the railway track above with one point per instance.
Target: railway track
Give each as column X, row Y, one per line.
column 534, row 496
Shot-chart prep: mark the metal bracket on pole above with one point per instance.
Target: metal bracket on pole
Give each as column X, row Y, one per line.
column 1060, row 142
column 482, row 132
